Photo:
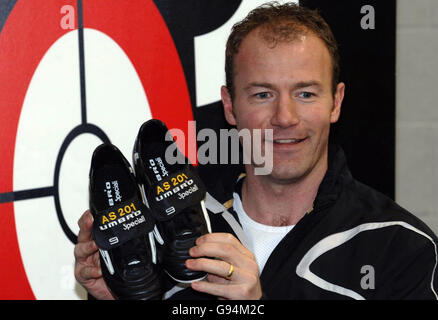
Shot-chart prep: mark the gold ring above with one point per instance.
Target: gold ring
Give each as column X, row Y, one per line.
column 230, row 272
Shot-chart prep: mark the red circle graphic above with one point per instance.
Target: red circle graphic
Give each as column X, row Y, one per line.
column 30, row 30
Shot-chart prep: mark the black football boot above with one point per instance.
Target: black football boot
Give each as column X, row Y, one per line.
column 122, row 228
column 175, row 194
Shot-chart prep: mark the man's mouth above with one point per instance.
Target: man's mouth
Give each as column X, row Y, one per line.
column 288, row 141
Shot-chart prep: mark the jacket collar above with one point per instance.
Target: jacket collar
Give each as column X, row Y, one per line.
column 336, row 176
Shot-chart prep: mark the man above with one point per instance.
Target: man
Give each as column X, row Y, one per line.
column 307, row 230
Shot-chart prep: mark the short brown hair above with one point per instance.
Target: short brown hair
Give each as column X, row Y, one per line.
column 280, row 22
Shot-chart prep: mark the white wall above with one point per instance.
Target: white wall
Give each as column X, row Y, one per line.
column 417, row 109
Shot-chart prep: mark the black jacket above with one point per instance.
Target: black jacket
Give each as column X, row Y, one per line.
column 356, row 244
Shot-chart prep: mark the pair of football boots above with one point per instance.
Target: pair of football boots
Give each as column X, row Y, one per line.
column 146, row 219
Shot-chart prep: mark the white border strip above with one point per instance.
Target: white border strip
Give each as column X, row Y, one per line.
column 206, row 217
column 106, row 257
column 216, row 207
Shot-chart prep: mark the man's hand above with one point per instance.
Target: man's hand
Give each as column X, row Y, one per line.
column 87, row 265
column 244, row 283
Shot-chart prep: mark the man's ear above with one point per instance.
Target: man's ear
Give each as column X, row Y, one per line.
column 228, row 106
column 338, row 98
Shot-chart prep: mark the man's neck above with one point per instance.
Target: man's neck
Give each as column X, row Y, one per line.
column 279, row 204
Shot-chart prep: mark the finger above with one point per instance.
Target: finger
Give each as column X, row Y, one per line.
column 217, row 267
column 216, row 289
column 89, row 272
column 226, row 291
column 226, row 252
column 216, row 279
column 96, row 259
column 83, row 250
column 85, row 224
column 222, row 237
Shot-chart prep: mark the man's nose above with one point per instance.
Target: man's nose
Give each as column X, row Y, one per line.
column 285, row 113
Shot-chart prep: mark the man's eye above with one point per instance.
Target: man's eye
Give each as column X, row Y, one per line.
column 262, row 95
column 306, row 95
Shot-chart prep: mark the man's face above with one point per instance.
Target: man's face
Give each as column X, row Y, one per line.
column 286, row 88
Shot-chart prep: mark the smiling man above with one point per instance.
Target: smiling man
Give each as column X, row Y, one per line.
column 308, row 229
column 311, row 228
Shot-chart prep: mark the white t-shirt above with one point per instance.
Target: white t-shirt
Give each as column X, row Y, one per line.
column 262, row 238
